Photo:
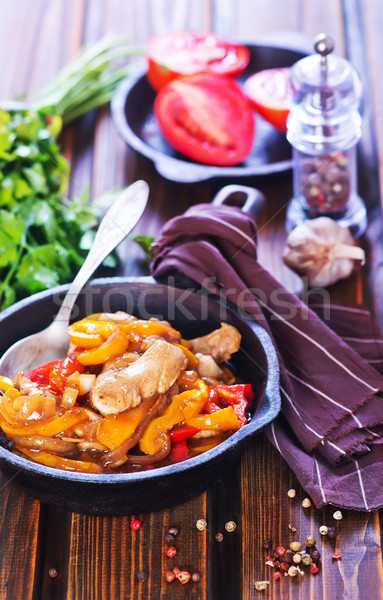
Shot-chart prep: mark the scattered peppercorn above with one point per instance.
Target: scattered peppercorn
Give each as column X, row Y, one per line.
column 315, row 556
column 306, row 559
column 183, row 576
column 173, row 531
column 284, row 567
column 306, row 503
column 277, row 575
column 297, row 558
column 314, row 569
column 169, row 539
column 176, row 571
column 270, row 563
column 170, row 552
column 261, row 585
column 291, row 493
column 292, row 528
column 267, row 544
column 277, row 564
column 52, row 573
column 293, row 571
column 280, row 550
column 288, row 557
column 195, row 577
column 201, row 524
column 218, row 537
column 338, row 515
column 169, row 576
column 337, row 555
column 323, row 530
column 310, row 541
column 331, row 532
column 230, row 526
column 142, row 575
column 135, row 524
column 295, row 546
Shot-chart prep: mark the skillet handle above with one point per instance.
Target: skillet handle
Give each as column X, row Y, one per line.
column 249, row 199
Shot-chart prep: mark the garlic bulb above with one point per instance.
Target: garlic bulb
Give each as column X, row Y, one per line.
column 321, row 250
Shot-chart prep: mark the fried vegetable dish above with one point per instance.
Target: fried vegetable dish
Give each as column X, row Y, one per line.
column 131, row 395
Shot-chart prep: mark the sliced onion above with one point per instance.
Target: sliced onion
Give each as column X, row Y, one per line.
column 86, row 382
column 40, row 442
column 92, row 446
column 69, row 397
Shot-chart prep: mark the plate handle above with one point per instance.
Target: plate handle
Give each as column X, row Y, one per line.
column 249, row 200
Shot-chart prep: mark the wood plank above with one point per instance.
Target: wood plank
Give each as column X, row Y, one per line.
column 105, row 555
column 267, row 511
column 20, row 554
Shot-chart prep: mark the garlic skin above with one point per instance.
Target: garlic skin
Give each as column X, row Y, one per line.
column 322, row 251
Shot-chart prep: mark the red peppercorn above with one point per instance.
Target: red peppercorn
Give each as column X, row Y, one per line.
column 135, row 524
column 169, row 576
column 272, row 558
column 277, row 575
column 176, row 571
column 171, row 551
column 337, row 555
column 284, row 567
column 314, row 569
column 281, row 550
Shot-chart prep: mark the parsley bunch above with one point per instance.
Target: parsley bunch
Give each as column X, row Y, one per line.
column 45, row 236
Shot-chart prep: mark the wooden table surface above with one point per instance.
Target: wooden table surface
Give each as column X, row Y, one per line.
column 98, row 557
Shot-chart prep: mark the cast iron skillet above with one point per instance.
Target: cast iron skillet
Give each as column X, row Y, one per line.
column 132, row 111
column 194, row 314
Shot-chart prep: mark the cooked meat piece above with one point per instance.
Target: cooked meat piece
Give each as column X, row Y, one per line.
column 205, row 433
column 220, row 343
column 117, row 317
column 207, row 367
column 155, row 371
column 27, row 387
column 120, row 361
column 149, row 341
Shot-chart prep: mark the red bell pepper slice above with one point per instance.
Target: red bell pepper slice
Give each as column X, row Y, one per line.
column 182, row 433
column 238, row 396
column 54, row 373
column 179, row 451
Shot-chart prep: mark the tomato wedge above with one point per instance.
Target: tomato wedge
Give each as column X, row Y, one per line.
column 207, row 118
column 268, row 92
column 188, row 52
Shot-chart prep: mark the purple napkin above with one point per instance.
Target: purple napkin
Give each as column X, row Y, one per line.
column 331, row 424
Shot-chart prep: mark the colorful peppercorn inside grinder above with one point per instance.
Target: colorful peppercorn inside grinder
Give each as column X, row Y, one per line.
column 324, row 127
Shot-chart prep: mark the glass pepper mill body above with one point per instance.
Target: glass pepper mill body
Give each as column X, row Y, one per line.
column 324, row 127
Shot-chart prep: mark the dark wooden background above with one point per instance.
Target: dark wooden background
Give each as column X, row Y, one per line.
column 97, row 557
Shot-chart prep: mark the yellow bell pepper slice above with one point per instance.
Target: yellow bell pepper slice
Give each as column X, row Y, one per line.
column 82, row 339
column 90, row 333
column 147, row 328
column 222, row 420
column 115, row 344
column 114, row 430
column 59, row 462
column 48, row 428
column 5, row 383
column 183, row 406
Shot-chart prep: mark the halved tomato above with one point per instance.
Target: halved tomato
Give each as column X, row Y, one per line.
column 188, row 52
column 268, row 92
column 207, row 118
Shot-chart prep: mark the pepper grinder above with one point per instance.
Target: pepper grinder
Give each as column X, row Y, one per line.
column 324, row 127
